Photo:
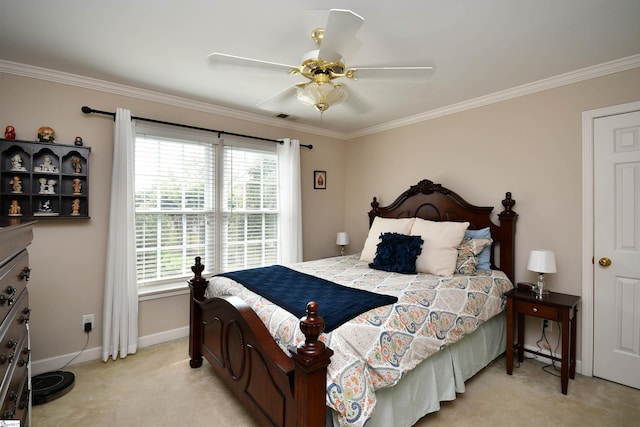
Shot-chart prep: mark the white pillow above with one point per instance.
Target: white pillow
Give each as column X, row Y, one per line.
column 440, row 248
column 383, row 225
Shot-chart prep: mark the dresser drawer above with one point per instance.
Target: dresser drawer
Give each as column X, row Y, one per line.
column 12, row 332
column 13, row 280
column 537, row 310
column 16, row 397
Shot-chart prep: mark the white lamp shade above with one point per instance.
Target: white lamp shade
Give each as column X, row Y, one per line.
column 542, row 261
column 342, row 238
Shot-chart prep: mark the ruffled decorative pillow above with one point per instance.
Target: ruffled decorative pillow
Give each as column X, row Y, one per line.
column 397, row 252
column 468, row 253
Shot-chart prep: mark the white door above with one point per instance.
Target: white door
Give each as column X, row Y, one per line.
column 616, row 353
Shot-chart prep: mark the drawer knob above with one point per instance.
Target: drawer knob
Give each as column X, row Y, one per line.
column 9, row 300
column 11, row 344
column 25, row 273
column 535, row 309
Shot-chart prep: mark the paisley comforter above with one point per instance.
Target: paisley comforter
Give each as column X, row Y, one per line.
column 375, row 349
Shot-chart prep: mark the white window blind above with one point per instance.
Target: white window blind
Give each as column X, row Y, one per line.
column 175, row 207
column 249, row 208
column 202, row 197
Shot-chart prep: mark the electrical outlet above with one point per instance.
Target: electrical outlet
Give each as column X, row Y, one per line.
column 546, row 325
column 90, row 319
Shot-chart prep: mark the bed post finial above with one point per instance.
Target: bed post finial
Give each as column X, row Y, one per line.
column 311, row 359
column 197, row 269
column 375, row 204
column 375, row 211
column 311, row 325
column 508, row 203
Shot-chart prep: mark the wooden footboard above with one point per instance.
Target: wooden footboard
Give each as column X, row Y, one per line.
column 278, row 389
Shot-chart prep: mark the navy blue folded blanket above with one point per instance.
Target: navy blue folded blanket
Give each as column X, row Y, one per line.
column 292, row 290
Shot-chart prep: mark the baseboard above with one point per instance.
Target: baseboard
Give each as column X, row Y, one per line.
column 547, row 360
column 95, row 353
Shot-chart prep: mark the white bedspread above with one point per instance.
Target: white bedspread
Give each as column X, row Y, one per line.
column 375, row 349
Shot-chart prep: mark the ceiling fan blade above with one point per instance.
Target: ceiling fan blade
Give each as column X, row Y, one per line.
column 356, row 73
column 340, row 30
column 279, row 100
column 222, row 58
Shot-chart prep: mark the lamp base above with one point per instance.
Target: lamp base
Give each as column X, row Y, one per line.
column 541, row 294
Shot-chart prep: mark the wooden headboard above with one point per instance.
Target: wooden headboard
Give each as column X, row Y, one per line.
column 434, row 202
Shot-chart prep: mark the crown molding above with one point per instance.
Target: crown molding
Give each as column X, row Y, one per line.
column 130, row 91
column 148, row 95
column 518, row 91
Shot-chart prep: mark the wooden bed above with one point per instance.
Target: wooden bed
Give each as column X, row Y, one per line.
column 290, row 389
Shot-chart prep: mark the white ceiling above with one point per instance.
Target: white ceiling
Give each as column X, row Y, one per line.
column 478, row 47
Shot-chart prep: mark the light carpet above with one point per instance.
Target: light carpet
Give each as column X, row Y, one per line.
column 156, row 387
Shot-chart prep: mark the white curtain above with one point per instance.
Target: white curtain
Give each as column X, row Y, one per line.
column 120, row 333
column 290, row 201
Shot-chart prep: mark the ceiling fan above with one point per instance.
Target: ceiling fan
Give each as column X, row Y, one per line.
column 323, row 65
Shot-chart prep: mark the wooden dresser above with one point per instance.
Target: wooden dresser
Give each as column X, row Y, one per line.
column 15, row 394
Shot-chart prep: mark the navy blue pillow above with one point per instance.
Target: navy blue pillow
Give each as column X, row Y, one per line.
column 397, row 252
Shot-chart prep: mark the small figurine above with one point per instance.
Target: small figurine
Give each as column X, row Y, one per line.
column 78, row 142
column 50, row 186
column 75, row 207
column 16, row 163
column 44, row 209
column 47, row 186
column 76, row 164
column 77, row 186
column 46, row 166
column 15, row 209
column 46, row 134
column 10, row 132
column 16, row 182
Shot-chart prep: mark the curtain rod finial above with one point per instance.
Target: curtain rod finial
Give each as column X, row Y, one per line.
column 87, row 110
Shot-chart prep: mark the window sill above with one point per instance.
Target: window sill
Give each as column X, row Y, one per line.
column 163, row 291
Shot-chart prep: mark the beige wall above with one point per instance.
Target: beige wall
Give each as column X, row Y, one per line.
column 530, row 146
column 68, row 256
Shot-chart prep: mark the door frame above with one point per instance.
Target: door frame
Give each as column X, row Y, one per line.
column 588, row 240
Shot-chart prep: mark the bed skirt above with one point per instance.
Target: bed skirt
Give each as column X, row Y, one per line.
column 438, row 378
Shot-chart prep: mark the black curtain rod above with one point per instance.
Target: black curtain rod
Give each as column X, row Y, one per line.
column 89, row 110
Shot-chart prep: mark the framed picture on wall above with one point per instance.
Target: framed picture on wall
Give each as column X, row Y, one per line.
column 319, row 180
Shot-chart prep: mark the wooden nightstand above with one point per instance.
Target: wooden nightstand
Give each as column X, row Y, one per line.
column 555, row 306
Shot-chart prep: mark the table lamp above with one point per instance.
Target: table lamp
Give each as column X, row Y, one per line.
column 342, row 239
column 542, row 261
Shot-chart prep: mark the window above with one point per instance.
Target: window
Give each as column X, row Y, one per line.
column 202, row 196
column 250, row 209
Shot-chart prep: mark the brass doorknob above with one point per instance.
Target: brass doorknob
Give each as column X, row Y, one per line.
column 605, row 262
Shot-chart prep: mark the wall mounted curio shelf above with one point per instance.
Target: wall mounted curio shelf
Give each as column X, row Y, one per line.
column 43, row 180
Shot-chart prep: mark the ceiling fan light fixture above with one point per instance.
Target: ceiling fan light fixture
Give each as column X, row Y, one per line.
column 321, row 93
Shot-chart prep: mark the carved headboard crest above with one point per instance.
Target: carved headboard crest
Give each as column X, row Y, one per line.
column 427, row 187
